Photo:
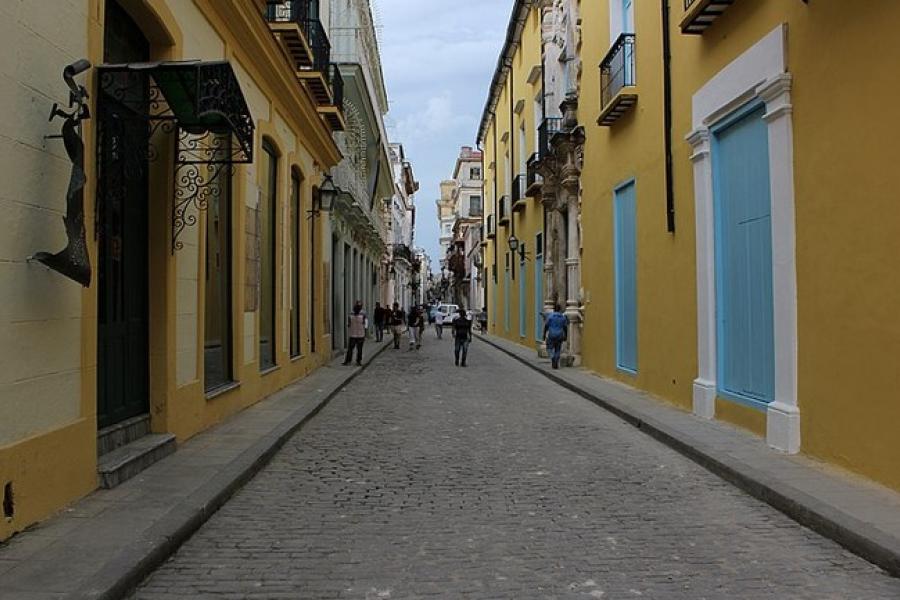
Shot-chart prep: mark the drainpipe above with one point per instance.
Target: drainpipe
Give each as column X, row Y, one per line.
column 667, row 115
column 512, row 161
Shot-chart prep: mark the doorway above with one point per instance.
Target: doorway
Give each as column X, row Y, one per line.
column 122, row 220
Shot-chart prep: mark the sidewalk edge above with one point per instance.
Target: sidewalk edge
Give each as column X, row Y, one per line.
column 841, row 527
column 120, row 576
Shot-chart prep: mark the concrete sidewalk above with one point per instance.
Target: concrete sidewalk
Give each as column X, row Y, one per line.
column 859, row 515
column 105, row 544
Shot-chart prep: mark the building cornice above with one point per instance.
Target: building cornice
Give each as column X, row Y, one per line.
column 504, row 63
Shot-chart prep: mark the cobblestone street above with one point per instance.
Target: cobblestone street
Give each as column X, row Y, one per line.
column 423, row 480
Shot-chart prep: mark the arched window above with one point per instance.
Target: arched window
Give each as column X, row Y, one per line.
column 267, row 213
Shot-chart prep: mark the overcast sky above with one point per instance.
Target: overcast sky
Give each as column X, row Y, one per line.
column 438, row 59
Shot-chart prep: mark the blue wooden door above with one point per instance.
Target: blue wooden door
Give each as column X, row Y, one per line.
column 626, row 277
column 506, row 297
column 523, row 302
column 539, row 297
column 744, row 302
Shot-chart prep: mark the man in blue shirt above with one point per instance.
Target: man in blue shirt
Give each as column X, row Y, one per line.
column 555, row 333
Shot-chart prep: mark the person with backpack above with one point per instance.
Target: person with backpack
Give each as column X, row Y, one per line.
column 357, row 324
column 556, row 327
column 462, row 335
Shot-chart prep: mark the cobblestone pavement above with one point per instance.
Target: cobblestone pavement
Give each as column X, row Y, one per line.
column 421, row 480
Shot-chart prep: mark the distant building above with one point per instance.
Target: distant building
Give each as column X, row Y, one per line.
column 460, row 211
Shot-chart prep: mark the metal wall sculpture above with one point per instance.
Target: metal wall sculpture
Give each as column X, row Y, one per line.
column 73, row 260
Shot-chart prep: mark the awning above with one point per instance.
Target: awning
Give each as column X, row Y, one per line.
column 201, row 104
column 200, row 97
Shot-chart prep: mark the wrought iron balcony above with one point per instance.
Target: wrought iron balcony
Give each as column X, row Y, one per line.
column 617, row 80
column 296, row 24
column 700, row 14
column 402, row 251
column 518, row 192
column 316, row 76
column 533, row 179
column 289, row 21
column 504, row 210
column 547, row 129
column 334, row 110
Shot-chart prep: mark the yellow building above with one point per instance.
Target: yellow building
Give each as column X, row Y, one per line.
column 514, row 215
column 203, row 254
column 738, row 218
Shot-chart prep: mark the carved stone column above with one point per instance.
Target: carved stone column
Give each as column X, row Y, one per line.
column 552, row 252
column 569, row 154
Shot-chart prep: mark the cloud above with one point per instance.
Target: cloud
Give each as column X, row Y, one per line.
column 438, row 58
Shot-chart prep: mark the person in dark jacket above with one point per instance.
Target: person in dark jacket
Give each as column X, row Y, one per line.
column 379, row 315
column 462, row 335
column 416, row 323
column 397, row 319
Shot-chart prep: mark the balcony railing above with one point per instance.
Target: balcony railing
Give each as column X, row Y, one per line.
column 617, row 74
column 700, row 14
column 548, row 127
column 337, row 85
column 504, row 210
column 617, row 69
column 518, row 192
column 533, row 179
column 321, row 47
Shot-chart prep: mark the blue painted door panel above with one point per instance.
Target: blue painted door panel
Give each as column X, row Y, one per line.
column 626, row 277
column 522, row 300
column 539, row 298
column 506, row 301
column 744, row 301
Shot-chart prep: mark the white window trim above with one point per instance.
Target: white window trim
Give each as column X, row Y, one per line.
column 761, row 72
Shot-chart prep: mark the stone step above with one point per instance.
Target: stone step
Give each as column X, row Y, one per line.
column 127, row 461
column 121, row 434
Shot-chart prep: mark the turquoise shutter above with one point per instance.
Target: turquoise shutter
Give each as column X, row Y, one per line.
column 626, row 277
column 744, row 303
column 522, row 301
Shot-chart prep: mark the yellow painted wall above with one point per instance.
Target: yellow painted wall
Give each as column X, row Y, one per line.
column 54, row 464
column 846, row 237
column 529, row 221
column 633, row 148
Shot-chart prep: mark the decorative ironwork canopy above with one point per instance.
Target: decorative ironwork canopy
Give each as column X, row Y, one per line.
column 201, row 103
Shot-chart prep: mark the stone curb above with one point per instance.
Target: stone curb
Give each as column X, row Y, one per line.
column 857, row 536
column 120, row 576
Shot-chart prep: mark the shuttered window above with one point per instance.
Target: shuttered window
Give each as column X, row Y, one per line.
column 626, row 277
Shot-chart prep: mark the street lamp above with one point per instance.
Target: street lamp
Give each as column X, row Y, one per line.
column 327, row 194
column 513, row 242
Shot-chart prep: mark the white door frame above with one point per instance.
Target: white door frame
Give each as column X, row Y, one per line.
column 759, row 73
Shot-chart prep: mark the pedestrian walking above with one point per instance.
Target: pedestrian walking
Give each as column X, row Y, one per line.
column 397, row 319
column 357, row 324
column 483, row 320
column 380, row 316
column 439, row 324
column 556, row 327
column 415, row 322
column 462, row 335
